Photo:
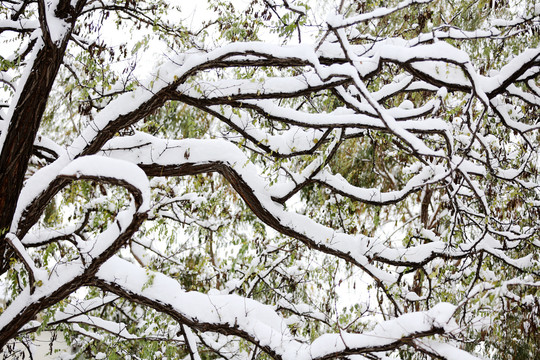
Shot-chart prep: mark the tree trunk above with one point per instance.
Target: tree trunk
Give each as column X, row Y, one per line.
column 24, row 124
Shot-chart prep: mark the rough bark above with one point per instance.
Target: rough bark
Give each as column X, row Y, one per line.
column 25, row 120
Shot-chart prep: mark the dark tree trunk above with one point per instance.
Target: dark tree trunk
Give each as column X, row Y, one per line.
column 25, row 121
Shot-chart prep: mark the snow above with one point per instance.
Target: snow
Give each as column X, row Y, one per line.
column 145, row 149
column 286, row 142
column 448, row 32
column 260, row 321
column 63, row 274
column 438, row 51
column 337, row 20
column 192, row 342
column 412, row 296
column 252, row 87
column 122, row 105
column 42, row 236
column 36, row 185
column 219, row 151
column 19, row 24
column 339, row 184
column 100, row 167
column 119, row 161
column 248, row 315
column 522, row 61
column 385, row 333
column 447, row 351
column 56, row 27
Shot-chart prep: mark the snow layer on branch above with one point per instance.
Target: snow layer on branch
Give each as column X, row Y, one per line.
column 43, row 236
column 441, row 51
column 113, row 170
column 194, row 151
column 522, row 61
column 77, row 313
column 273, row 85
column 171, row 74
column 146, row 150
column 336, row 20
column 62, row 274
column 35, row 186
column 258, row 320
column 446, row 351
column 346, row 117
column 338, row 183
column 57, row 27
column 22, row 24
column 387, row 332
column 112, row 327
column 456, row 33
column 285, row 142
column 261, row 322
column 65, row 273
column 122, row 105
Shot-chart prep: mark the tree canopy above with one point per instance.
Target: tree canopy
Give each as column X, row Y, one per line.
column 270, row 179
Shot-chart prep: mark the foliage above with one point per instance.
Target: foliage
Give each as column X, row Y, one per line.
column 172, row 183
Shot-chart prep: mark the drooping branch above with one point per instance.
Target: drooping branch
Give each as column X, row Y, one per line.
column 258, row 323
column 68, row 277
